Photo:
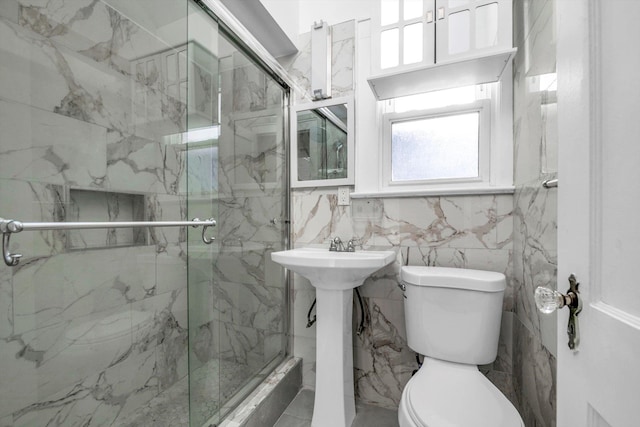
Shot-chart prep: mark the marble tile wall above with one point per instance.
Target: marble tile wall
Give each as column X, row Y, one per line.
column 467, row 231
column 93, row 98
column 535, row 209
column 67, row 120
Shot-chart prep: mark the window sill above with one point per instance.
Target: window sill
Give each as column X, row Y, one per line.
column 457, row 191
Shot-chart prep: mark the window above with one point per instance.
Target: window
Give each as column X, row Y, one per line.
column 447, row 142
column 435, row 146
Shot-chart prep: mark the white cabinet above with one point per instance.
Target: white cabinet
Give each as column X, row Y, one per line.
column 404, row 34
column 422, row 45
column 465, row 27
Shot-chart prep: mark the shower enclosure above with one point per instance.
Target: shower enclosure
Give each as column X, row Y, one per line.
column 146, row 110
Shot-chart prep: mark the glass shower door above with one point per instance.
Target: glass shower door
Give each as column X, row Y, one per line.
column 236, row 169
column 93, row 323
column 200, row 81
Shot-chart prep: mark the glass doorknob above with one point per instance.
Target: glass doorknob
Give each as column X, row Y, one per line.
column 549, row 300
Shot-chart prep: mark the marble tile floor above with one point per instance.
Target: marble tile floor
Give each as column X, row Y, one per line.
column 300, row 411
column 212, row 383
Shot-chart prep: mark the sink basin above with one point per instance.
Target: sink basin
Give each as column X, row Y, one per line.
column 334, row 275
column 333, row 270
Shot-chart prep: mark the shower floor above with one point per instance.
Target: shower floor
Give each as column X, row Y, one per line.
column 212, row 383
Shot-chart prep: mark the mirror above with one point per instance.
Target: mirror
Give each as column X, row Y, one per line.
column 322, row 143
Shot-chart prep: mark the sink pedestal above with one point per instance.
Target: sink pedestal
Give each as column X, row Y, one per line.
column 335, row 401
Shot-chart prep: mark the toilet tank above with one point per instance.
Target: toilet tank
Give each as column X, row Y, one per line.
column 453, row 314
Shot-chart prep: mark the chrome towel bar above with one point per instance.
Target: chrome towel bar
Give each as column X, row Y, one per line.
column 550, row 183
column 10, row 226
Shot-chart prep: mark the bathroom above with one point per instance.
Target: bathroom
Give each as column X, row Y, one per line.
column 103, row 119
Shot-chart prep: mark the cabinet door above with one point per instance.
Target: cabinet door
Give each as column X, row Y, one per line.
column 403, row 35
column 469, row 27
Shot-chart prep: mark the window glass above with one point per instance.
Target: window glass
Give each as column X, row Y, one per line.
column 487, row 25
column 389, row 11
column 457, row 3
column 412, row 51
column 389, row 48
column 412, row 9
column 440, row 147
column 459, row 32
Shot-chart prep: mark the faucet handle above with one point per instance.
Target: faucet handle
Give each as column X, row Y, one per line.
column 334, row 244
column 351, row 244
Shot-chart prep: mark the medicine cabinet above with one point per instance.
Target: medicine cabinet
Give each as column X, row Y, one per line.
column 422, row 45
column 322, row 143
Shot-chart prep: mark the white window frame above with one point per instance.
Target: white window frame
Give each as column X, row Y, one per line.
column 482, row 107
column 369, row 169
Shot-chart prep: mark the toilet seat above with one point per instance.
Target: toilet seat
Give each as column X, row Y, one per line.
column 446, row 394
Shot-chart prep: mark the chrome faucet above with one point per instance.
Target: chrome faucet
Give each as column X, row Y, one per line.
column 336, row 245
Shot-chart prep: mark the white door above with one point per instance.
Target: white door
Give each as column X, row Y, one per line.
column 599, row 209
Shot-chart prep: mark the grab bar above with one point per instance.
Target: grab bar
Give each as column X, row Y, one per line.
column 10, row 226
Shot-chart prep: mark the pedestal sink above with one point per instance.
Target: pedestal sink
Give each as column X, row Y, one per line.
column 334, row 275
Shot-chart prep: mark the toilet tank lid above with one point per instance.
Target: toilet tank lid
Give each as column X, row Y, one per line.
column 458, row 278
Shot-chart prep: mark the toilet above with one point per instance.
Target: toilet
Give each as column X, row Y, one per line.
column 453, row 319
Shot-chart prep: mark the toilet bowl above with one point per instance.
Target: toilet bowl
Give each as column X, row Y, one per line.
column 453, row 318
